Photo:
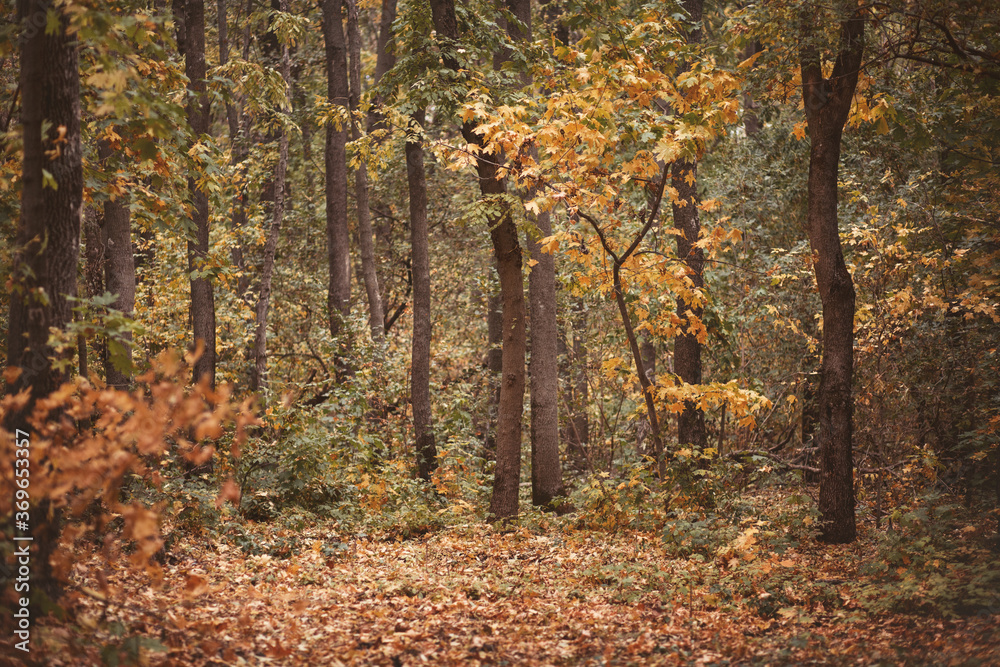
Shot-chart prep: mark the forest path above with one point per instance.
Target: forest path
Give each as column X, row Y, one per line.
column 471, row 595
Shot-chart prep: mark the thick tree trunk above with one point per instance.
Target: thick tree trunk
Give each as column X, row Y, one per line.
column 48, row 238
column 507, row 251
column 202, row 295
column 258, row 373
column 827, row 103
column 376, row 312
column 420, row 392
column 337, row 234
column 687, row 348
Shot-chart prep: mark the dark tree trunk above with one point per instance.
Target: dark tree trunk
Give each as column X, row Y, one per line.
column 687, row 348
column 507, row 251
column 48, row 237
column 420, row 392
column 827, row 103
column 376, row 312
column 198, row 110
column 258, row 374
column 337, row 234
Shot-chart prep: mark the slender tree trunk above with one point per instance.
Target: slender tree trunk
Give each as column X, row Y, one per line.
column 494, row 366
column 119, row 279
column 687, row 348
column 827, row 103
column 618, row 260
column 202, row 295
column 258, row 374
column 420, row 393
column 546, row 468
column 93, row 275
column 507, row 251
column 47, row 241
column 337, row 234
column 385, row 59
column 238, row 150
column 579, row 425
column 376, row 312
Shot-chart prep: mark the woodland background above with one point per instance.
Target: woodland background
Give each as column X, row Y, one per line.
column 679, row 314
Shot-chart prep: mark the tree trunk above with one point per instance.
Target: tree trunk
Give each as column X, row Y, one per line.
column 337, row 235
column 507, row 251
column 47, row 241
column 420, row 392
column 202, row 295
column 238, row 150
column 258, row 374
column 546, row 468
column 687, row 348
column 93, row 275
column 827, row 103
column 579, row 426
column 376, row 312
column 119, row 279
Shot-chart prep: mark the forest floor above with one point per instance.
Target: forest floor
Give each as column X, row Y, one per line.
column 473, row 594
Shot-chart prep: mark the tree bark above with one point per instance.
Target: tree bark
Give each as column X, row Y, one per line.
column 546, row 468
column 420, row 369
column 238, row 150
column 827, row 103
column 198, row 110
column 258, row 373
column 337, row 234
column 119, row 276
column 687, row 348
column 376, row 312
column 48, row 237
column 507, row 251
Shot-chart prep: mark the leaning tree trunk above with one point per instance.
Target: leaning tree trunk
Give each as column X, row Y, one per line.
column 507, row 251
column 420, row 395
column 258, row 374
column 827, row 103
column 337, row 234
column 376, row 312
column 47, row 241
column 202, row 296
column 687, row 347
